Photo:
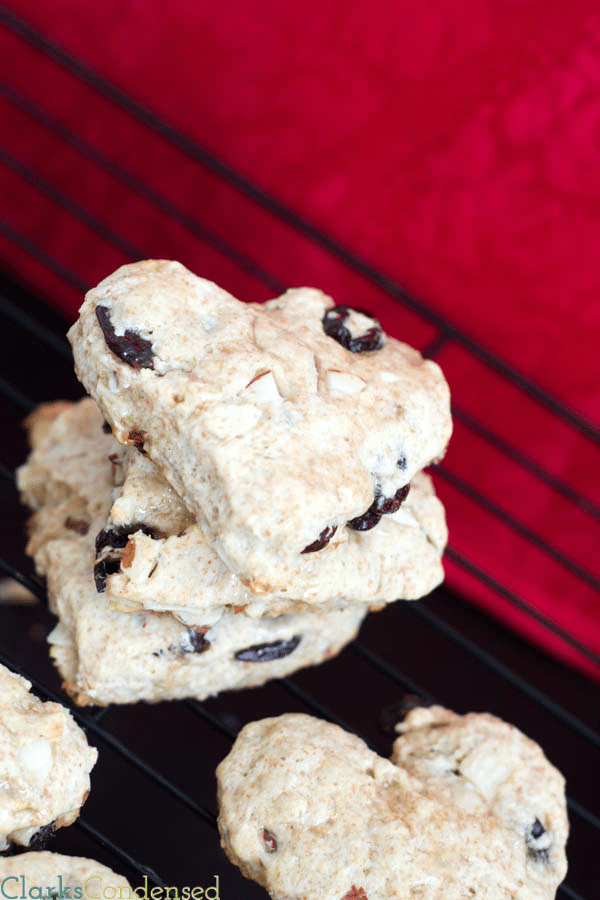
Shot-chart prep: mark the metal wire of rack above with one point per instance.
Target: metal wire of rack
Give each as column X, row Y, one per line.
column 504, row 687
column 151, row 812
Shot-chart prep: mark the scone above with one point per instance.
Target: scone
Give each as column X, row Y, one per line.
column 151, row 553
column 467, row 807
column 281, row 426
column 106, row 656
column 162, row 561
column 68, row 478
column 60, row 876
column 112, row 657
column 45, row 763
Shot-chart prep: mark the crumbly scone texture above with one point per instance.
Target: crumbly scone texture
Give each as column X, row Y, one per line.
column 467, row 807
column 268, row 428
column 182, row 573
column 177, row 569
column 68, row 478
column 106, row 656
column 44, row 869
column 45, row 762
column 112, row 657
column 169, row 564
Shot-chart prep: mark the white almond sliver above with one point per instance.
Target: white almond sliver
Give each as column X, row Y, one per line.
column 344, row 383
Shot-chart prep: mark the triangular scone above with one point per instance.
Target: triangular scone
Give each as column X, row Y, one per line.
column 112, row 657
column 68, row 479
column 277, row 424
column 169, row 562
column 151, row 554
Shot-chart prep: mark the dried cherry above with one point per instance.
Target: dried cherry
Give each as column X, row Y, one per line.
column 322, row 541
column 131, row 347
column 334, row 327
column 268, row 652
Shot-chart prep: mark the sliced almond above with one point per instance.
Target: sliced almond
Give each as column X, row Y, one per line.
column 344, row 383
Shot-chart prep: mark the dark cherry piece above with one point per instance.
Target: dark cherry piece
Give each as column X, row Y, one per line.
column 365, row 522
column 117, row 536
column 534, row 833
column 103, row 568
column 537, row 830
column 322, row 541
column 380, row 506
column 270, row 841
column 198, row 641
column 131, row 347
column 137, row 439
column 268, row 652
column 333, row 326
column 39, row 840
column 387, row 505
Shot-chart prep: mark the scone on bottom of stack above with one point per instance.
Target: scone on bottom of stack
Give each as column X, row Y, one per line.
column 107, row 656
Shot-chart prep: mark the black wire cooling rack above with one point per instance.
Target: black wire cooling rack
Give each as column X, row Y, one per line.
column 151, row 812
column 152, row 809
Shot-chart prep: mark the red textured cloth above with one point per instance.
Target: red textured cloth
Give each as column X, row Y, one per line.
column 454, row 148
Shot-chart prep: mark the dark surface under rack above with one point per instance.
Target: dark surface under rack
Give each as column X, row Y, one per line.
column 152, row 808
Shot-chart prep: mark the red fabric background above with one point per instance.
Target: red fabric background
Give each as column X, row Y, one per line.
column 455, row 147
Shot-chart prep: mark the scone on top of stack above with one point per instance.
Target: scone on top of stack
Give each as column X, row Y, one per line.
column 277, row 424
column 263, row 488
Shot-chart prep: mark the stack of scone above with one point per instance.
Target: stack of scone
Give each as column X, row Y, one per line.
column 248, row 485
